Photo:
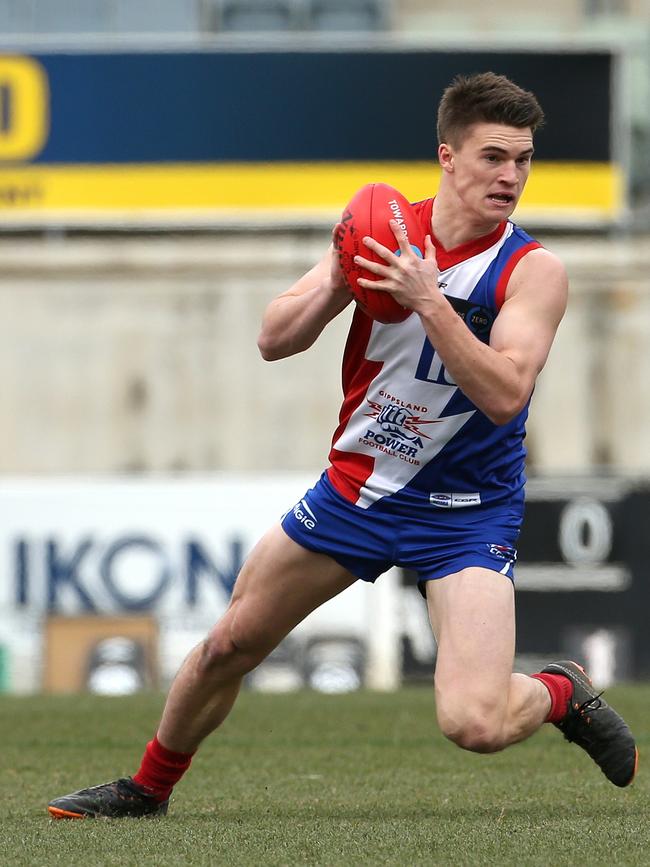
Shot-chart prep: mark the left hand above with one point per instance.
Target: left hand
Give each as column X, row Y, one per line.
column 412, row 281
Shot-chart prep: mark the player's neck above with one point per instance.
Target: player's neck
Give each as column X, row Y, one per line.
column 452, row 225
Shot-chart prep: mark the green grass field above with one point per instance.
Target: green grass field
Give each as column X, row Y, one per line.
column 312, row 779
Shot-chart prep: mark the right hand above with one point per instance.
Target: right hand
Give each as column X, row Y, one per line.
column 337, row 280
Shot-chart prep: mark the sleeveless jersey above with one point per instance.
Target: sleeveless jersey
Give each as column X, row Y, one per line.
column 407, row 436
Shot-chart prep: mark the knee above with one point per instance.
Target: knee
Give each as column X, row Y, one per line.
column 477, row 728
column 215, row 650
column 220, row 654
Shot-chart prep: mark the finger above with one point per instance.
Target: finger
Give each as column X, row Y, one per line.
column 373, row 284
column 335, row 264
column 337, row 235
column 374, row 267
column 429, row 248
column 401, row 237
column 379, row 249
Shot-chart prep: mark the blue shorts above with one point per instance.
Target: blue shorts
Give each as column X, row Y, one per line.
column 368, row 542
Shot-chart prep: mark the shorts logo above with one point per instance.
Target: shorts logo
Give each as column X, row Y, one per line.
column 455, row 501
column 304, row 515
column 503, row 552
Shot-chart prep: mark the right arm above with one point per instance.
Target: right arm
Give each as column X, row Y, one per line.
column 292, row 321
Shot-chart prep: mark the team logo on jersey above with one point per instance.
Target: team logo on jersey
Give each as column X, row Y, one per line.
column 399, row 422
column 400, row 429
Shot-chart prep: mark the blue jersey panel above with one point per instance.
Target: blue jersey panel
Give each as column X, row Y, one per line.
column 484, row 292
column 482, row 458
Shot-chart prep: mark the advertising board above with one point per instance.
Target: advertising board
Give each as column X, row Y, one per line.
column 170, row 549
column 231, row 136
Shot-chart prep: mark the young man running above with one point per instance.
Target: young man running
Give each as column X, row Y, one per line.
column 457, row 390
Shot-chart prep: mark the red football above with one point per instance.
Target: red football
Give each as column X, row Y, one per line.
column 368, row 213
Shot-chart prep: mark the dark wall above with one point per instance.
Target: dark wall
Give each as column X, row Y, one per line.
column 269, row 106
column 601, row 561
column 583, row 572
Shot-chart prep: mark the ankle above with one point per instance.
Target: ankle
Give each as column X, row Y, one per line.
column 161, row 769
column 560, row 690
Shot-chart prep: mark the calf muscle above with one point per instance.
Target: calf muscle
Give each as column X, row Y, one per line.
column 280, row 584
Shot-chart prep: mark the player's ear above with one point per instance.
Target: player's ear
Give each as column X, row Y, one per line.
column 446, row 157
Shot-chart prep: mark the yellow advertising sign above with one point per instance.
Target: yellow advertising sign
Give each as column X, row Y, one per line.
column 580, row 192
column 24, row 108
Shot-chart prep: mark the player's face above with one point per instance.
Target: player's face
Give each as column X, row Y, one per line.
column 490, row 169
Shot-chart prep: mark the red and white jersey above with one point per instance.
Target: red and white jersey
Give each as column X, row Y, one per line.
column 407, row 435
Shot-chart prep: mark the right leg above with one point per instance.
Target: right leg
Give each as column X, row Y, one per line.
column 279, row 585
column 480, row 704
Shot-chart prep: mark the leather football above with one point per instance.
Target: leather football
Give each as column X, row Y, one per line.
column 367, row 214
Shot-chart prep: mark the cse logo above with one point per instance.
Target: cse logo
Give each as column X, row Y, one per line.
column 24, row 108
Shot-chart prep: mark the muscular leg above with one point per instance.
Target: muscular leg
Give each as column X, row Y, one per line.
column 481, row 705
column 279, row 585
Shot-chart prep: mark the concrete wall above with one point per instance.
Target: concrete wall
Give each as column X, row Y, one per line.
column 592, row 404
column 139, row 355
column 563, row 16
column 470, row 17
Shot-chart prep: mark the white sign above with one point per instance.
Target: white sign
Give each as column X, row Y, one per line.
column 172, row 548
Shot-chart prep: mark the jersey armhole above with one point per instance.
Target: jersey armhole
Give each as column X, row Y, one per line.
column 502, row 284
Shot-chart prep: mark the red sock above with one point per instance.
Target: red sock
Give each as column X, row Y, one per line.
column 560, row 689
column 161, row 769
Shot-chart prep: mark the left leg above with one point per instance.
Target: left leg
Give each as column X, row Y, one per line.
column 481, row 705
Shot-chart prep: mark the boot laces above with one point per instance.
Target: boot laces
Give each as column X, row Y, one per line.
column 591, row 704
column 580, row 719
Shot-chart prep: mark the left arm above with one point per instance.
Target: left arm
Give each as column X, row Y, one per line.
column 498, row 378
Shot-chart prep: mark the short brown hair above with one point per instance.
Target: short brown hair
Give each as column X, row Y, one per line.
column 485, row 98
